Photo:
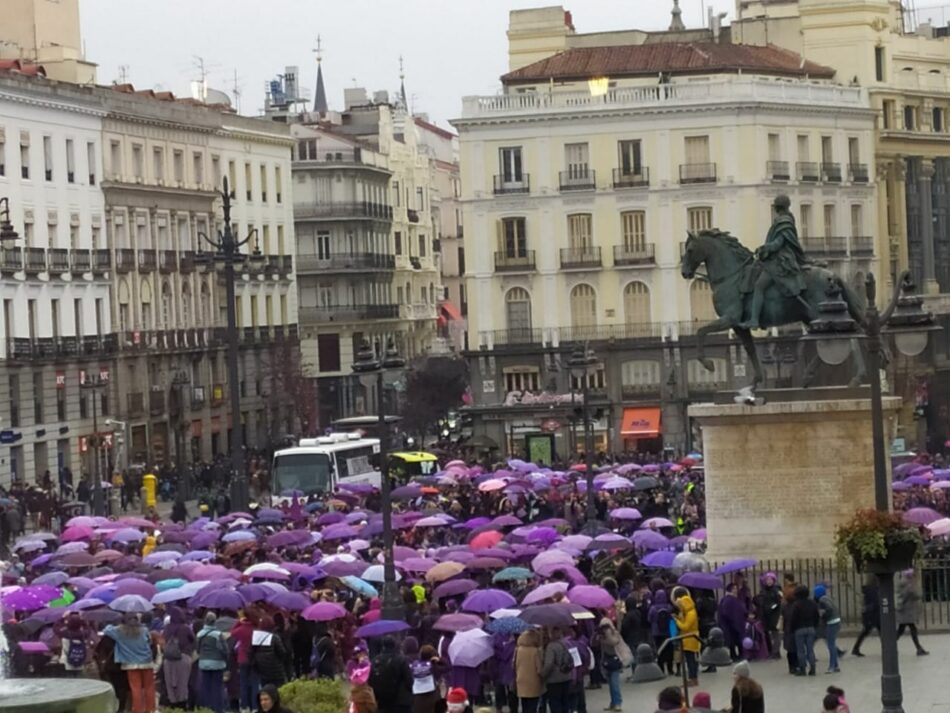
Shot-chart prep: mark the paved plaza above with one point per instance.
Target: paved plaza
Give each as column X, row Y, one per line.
column 924, row 682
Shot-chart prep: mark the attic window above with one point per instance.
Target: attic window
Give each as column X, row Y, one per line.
column 907, row 69
column 935, row 71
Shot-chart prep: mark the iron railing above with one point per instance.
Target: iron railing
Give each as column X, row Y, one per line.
column 828, row 246
column 124, row 260
column 81, row 261
column 584, row 258
column 508, row 262
column 808, row 171
column 58, row 260
column 148, row 260
column 578, row 179
column 777, row 170
column 697, row 173
column 503, row 185
column 625, row 256
column 862, row 244
column 631, row 179
column 831, row 172
column 858, row 172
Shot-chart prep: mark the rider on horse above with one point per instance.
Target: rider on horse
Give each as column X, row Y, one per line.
column 779, row 261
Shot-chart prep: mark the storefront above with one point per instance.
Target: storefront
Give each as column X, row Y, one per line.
column 640, row 430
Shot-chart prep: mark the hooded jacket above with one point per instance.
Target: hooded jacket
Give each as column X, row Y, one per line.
column 271, row 690
column 688, row 621
column 528, row 660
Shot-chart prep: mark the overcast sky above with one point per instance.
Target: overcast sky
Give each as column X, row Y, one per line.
column 451, row 47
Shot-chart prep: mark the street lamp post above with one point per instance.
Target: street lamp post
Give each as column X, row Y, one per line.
column 371, row 369
column 92, row 384
column 904, row 320
column 582, row 364
column 227, row 252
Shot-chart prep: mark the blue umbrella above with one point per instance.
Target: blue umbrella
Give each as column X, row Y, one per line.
column 662, row 559
column 381, row 628
column 507, row 625
column 511, row 574
column 735, row 566
column 239, row 536
column 359, row 586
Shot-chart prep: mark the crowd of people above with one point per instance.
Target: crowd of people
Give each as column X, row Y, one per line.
column 507, row 598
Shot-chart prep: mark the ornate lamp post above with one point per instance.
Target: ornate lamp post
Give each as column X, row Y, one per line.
column 905, row 321
column 7, row 231
column 92, row 383
column 227, row 252
column 371, row 369
column 583, row 363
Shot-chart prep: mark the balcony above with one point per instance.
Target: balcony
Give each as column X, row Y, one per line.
column 99, row 344
column 639, row 391
column 691, row 173
column 587, row 258
column 505, row 185
column 167, row 262
column 415, row 262
column 412, row 215
column 19, row 348
column 248, row 335
column 862, row 245
column 507, row 262
column 633, row 256
column 34, row 260
column 156, row 401
column 341, row 262
column 631, row 178
column 67, row 347
column 579, row 178
column 608, row 332
column 80, row 261
column 808, row 172
column 858, row 172
column 285, row 265
column 335, row 211
column 524, row 337
column 348, row 313
column 279, row 333
column 124, row 260
column 136, row 404
column 777, row 171
column 148, row 260
column 831, row 172
column 264, row 335
column 11, row 259
column 58, row 261
column 101, row 260
column 831, row 246
column 186, row 262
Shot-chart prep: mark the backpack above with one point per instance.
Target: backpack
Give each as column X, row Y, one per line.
column 565, row 662
column 76, row 653
column 172, row 650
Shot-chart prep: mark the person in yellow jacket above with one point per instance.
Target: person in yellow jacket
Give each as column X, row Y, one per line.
column 149, row 545
column 687, row 621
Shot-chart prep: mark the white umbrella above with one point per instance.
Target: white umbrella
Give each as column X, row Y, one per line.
column 471, row 648
column 376, row 573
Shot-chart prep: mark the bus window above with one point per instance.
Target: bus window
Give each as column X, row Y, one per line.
column 308, row 472
column 354, row 462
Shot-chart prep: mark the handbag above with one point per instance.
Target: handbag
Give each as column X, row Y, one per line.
column 624, row 653
column 612, row 663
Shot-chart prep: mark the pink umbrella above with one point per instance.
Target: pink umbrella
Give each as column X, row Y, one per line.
column 434, row 521
column 506, row 521
column 484, row 540
column 591, row 596
column 545, row 591
column 489, row 486
column 655, row 523
column 939, row 528
column 323, row 611
column 921, row 516
column 573, row 574
column 77, row 532
column 551, row 556
column 136, row 522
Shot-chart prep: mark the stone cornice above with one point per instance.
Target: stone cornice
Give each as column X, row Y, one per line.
column 44, row 102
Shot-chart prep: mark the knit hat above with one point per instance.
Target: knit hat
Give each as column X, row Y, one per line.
column 457, row 700
column 742, row 670
column 820, row 591
column 702, row 700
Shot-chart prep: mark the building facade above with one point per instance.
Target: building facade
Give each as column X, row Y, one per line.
column 54, row 280
column 46, row 32
column 579, row 187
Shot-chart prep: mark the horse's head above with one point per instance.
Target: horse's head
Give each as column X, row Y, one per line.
column 692, row 256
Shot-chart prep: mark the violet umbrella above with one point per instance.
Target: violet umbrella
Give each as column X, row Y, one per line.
column 76, row 532
column 590, row 596
column 461, row 557
column 82, row 521
column 484, row 601
column 289, row 601
column 650, row 540
column 406, row 492
column 239, row 536
column 135, row 586
column 921, row 516
column 655, row 523
column 339, row 532
column 384, row 627
column 570, row 572
column 471, row 648
column 497, row 553
column 457, row 622
column 474, row 523
column 155, row 558
column 81, row 584
column 454, row 588
column 254, row 592
column 700, row 580
column 609, row 542
column 899, row 486
column 551, row 556
column 323, row 611
column 126, row 535
column 198, row 556
column 178, row 536
column 204, row 539
column 344, row 569
column 331, row 518
column 26, row 600
column 661, row 558
column 401, row 552
column 289, row 538
column 77, row 559
column 918, row 480
column 417, row 564
column 545, row 536
column 54, row 579
column 736, row 565
column 480, row 564
column 228, row 599
column 545, row 591
column 698, row 533
column 132, row 521
column 625, row 514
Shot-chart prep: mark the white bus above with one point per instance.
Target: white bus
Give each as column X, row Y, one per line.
column 318, row 465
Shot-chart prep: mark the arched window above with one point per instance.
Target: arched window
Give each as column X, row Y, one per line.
column 583, row 306
column 206, row 307
column 518, row 314
column 167, row 306
column 701, row 302
column 636, row 306
column 185, row 305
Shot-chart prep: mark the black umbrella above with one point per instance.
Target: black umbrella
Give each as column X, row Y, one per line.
column 548, row 615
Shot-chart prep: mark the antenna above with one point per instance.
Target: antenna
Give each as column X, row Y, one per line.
column 236, row 90
column 123, row 74
column 200, row 87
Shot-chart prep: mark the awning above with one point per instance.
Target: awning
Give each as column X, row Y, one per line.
column 451, row 311
column 641, row 422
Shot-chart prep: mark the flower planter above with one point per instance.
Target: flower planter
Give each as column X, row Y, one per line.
column 900, row 556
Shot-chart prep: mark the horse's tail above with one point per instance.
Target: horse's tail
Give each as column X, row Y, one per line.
column 856, row 301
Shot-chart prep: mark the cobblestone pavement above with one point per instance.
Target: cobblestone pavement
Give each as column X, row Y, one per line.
column 924, row 682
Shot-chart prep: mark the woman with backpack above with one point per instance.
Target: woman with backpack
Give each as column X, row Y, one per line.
column 178, row 646
column 212, row 663
column 76, row 644
column 133, row 652
column 557, row 669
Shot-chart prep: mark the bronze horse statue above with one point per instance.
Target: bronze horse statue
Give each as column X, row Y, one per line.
column 728, row 264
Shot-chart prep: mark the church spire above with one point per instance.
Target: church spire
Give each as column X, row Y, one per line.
column 320, row 96
column 676, row 21
column 402, row 85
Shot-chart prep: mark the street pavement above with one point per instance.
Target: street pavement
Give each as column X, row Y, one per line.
column 924, row 682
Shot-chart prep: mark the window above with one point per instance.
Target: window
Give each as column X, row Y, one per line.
column 636, row 304
column 422, row 246
column 328, row 352
column 38, row 397
column 323, row 244
column 699, row 218
column 91, row 162
column 700, row 302
column 232, row 177
column 803, row 147
column 633, row 230
column 60, row 401
column 51, row 237
column 268, row 310
column 879, row 64
column 420, row 198
column 775, row 147
column 596, row 380
column 283, row 309
column 804, row 228
column 514, row 241
column 158, row 164
column 70, row 161
column 630, row 162
column 697, row 149
column 278, row 184
column 13, row 385
column 398, row 241
column 216, row 171
column 3, row 153
column 857, row 219
column 248, row 181
column 518, row 312
column 281, row 248
column 887, row 113
column 461, row 260
column 48, row 157
column 511, row 165
column 263, row 183
column 115, row 158
column 198, row 168
column 579, row 234
column 522, row 378
column 583, row 306
column 577, row 160
column 54, row 316
column 936, row 121
column 829, row 216
column 827, row 153
column 640, row 375
column 854, row 151
column 397, row 196
column 178, row 165
column 25, row 155
column 253, row 310
column 138, row 162
column 910, row 117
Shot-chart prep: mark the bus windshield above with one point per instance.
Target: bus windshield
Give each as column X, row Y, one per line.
column 307, row 472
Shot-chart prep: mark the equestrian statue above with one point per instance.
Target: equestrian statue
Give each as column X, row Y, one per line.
column 774, row 286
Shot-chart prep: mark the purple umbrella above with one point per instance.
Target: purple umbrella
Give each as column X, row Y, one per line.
column 548, row 615
column 330, row 518
column 573, row 575
column 921, row 516
column 340, row 532
column 155, row 558
column 81, row 584
column 324, row 611
column 899, row 486
column 453, row 588
column 545, row 536
column 127, row 535
column 625, row 514
column 904, row 469
column 239, row 536
column 471, row 648
column 344, row 569
column 918, row 480
column 545, row 591
column 407, row 492
column 288, row 538
column 650, row 540
column 655, row 523
column 591, row 596
column 417, row 564
column 476, row 522
column 254, row 592
column 698, row 534
column 506, row 521
column 383, row 627
column 135, row 586
column 25, row 600
column 54, row 579
column 483, row 601
column 198, row 556
column 291, row 601
column 219, row 599
column 462, row 557
column 204, row 539
column 735, row 566
column 700, row 580
column 457, row 622
column 482, row 563
column 609, row 542
column 661, row 558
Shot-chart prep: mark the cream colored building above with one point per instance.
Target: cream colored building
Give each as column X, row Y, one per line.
column 581, row 178
column 46, row 32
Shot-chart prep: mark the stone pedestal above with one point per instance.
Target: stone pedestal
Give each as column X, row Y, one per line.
column 780, row 476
